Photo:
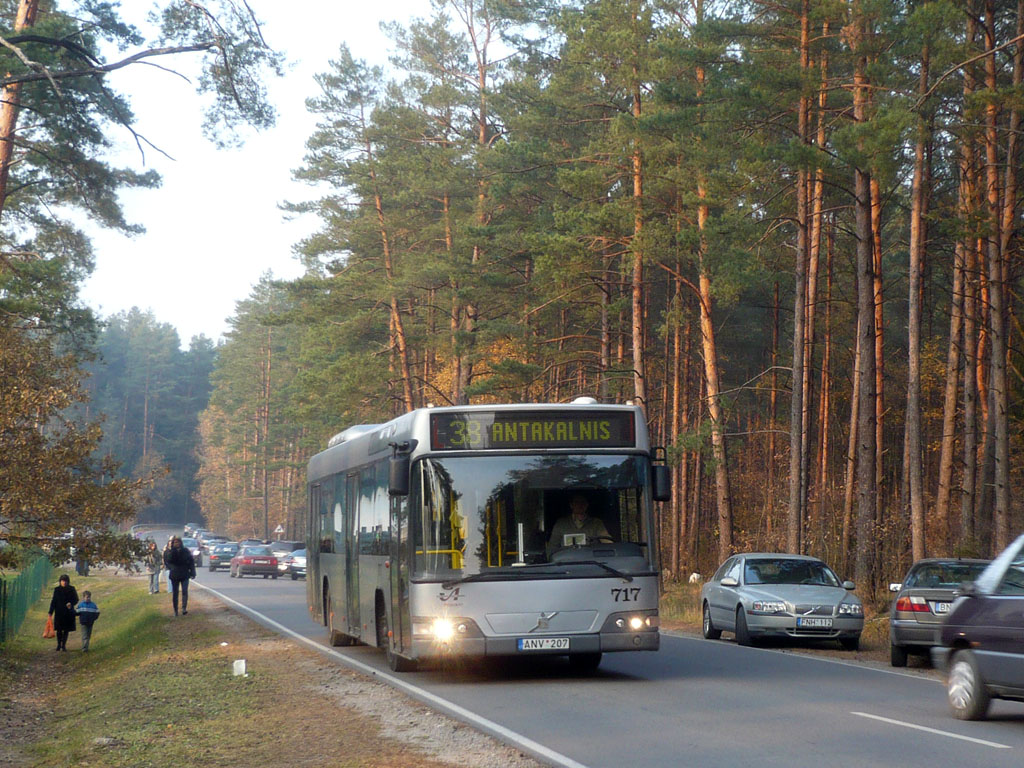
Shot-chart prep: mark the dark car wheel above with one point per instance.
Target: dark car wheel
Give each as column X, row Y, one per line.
column 850, row 643
column 274, row 576
column 213, row 568
column 708, row 627
column 295, row 576
column 742, row 633
column 965, row 688
column 897, row 655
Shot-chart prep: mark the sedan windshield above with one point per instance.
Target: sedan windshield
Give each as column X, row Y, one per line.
column 256, row 551
column 480, row 514
column 780, row 570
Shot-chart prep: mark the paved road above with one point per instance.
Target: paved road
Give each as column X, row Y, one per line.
column 696, row 703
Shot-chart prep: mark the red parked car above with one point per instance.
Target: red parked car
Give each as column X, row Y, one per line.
column 254, row 561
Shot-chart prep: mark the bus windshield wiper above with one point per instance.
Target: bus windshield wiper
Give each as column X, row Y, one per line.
column 498, row 575
column 615, row 571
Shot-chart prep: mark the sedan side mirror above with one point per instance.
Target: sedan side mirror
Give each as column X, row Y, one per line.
column 729, row 581
column 849, row 586
column 895, row 587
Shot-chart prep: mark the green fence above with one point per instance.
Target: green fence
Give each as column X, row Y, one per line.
column 18, row 594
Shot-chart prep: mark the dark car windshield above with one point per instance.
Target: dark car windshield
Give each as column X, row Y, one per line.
column 190, row 543
column 943, row 575
column 256, row 551
column 780, row 570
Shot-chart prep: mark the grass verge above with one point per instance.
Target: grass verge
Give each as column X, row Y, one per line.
column 158, row 690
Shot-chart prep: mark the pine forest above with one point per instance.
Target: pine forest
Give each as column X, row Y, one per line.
column 789, row 230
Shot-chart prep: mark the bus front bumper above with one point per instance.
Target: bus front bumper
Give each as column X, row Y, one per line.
column 597, row 642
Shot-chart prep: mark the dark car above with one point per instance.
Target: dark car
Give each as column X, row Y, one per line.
column 922, row 601
column 254, row 561
column 220, row 555
column 983, row 638
column 294, row 564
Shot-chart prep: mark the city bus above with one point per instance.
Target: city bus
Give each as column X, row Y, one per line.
column 488, row 530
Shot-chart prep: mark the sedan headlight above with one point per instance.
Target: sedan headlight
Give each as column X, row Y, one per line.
column 851, row 609
column 768, row 606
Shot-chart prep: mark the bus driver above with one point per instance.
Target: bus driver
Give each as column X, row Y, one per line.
column 578, row 521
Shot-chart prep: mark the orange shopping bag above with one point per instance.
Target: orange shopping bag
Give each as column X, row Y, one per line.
column 48, row 631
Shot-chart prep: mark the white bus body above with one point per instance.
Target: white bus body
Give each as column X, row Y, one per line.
column 432, row 535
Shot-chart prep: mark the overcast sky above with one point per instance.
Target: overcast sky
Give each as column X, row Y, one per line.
column 214, row 226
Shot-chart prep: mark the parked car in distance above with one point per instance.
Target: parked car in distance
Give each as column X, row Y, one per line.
column 983, row 638
column 294, row 564
column 193, row 546
column 761, row 595
column 220, row 555
column 922, row 601
column 254, row 561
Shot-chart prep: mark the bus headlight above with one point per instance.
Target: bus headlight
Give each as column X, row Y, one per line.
column 443, row 630
column 635, row 623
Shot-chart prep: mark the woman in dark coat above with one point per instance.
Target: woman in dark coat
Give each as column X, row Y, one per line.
column 182, row 567
column 62, row 608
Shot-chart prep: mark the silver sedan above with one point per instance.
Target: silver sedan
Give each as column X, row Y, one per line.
column 760, row 595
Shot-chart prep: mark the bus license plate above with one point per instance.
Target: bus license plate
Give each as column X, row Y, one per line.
column 804, row 621
column 543, row 643
column 941, row 607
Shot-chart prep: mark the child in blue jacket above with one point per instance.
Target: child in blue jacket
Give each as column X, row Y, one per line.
column 87, row 614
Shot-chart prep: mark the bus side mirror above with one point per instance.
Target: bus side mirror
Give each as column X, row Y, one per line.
column 398, row 476
column 661, row 482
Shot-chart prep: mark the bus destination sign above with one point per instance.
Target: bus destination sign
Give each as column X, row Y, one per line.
column 495, row 430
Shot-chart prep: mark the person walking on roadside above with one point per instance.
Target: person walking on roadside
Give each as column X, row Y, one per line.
column 87, row 612
column 154, row 564
column 182, row 567
column 62, row 608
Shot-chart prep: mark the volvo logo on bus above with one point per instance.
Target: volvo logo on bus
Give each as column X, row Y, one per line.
column 544, row 621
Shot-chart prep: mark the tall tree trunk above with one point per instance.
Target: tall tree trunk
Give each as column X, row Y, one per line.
column 866, row 305
column 879, row 340
column 999, row 408
column 639, row 368
column 10, row 104
column 913, row 418
column 797, row 424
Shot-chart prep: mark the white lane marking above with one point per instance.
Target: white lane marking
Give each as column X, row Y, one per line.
column 489, row 726
column 797, row 655
column 936, row 731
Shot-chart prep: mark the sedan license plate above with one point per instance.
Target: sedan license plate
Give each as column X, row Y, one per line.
column 543, row 643
column 941, row 607
column 805, row 621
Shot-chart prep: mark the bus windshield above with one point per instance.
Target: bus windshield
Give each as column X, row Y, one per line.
column 514, row 514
